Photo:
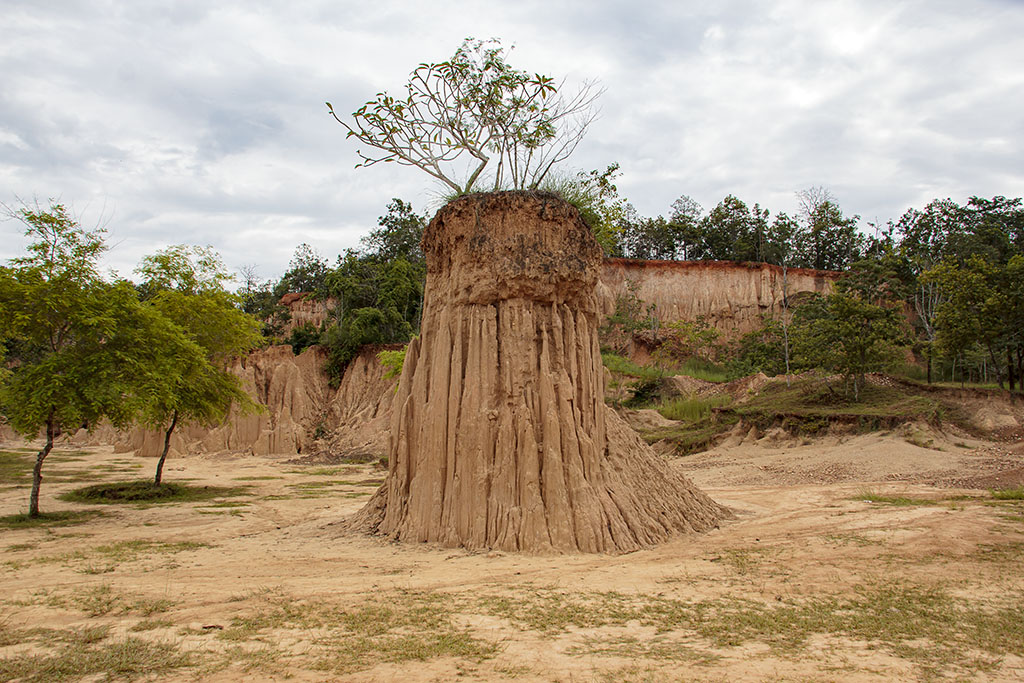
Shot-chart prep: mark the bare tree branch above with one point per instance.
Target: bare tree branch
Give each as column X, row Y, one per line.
column 476, row 107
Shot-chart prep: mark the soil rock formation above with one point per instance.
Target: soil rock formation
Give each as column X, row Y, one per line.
column 301, row 412
column 304, row 309
column 732, row 297
column 500, row 437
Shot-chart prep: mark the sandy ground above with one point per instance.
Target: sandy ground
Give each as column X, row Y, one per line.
column 856, row 559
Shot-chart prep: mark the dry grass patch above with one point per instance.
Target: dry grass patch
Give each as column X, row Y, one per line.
column 389, row 628
column 48, row 519
column 127, row 659
column 924, row 625
column 103, row 600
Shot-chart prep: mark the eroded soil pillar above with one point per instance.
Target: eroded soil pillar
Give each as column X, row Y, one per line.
column 500, row 435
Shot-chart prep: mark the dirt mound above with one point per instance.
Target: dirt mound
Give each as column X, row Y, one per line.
column 500, row 436
column 684, row 385
column 745, row 387
column 645, row 419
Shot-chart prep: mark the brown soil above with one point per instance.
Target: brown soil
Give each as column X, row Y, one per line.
column 853, row 559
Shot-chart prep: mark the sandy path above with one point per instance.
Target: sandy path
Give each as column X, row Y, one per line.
column 802, row 584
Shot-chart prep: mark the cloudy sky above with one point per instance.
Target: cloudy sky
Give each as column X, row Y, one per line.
column 203, row 121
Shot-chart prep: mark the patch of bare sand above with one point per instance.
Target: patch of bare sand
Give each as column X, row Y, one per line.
column 802, row 584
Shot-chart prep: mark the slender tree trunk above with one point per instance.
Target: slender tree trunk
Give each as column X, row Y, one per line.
column 1020, row 366
column 995, row 364
column 929, row 366
column 167, row 447
column 785, row 316
column 1009, row 368
column 37, row 471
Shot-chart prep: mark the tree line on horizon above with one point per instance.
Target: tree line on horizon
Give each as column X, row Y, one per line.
column 943, row 281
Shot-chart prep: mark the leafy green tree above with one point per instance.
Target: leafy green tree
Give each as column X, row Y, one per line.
column 307, row 273
column 763, row 350
column 847, row 334
column 377, row 294
column 185, row 268
column 361, row 327
column 983, row 305
column 927, row 237
column 646, row 238
column 784, row 234
column 732, row 231
column 685, row 220
column 81, row 349
column 832, row 240
column 399, row 234
column 186, row 287
column 474, row 107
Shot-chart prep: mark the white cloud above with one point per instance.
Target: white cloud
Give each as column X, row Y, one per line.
column 205, row 123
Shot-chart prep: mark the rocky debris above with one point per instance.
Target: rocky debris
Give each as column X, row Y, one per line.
column 500, row 437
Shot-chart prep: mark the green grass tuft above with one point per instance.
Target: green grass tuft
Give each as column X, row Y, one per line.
column 898, row 501
column 129, row 659
column 698, row 368
column 147, row 492
column 692, row 409
column 1009, row 494
column 623, row 366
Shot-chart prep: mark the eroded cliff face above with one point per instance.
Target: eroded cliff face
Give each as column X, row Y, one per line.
column 732, row 297
column 304, row 309
column 301, row 411
column 500, row 437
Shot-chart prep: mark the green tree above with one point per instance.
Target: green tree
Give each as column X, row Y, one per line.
column 763, row 350
column 783, row 236
column 732, row 231
column 847, row 334
column 983, row 305
column 186, row 287
column 926, row 238
column 81, row 349
column 685, row 220
column 398, row 235
column 476, row 107
column 307, row 273
column 832, row 240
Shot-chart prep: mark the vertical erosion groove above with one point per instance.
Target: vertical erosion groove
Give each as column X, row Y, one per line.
column 500, row 436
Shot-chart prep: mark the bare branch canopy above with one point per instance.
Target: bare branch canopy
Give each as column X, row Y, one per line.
column 474, row 121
